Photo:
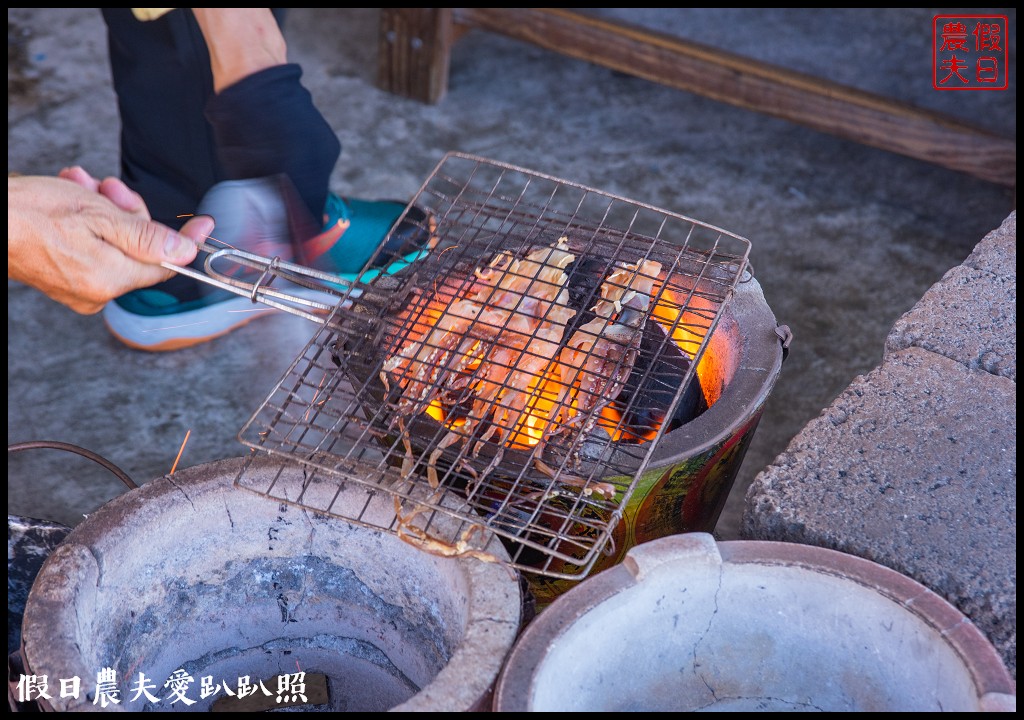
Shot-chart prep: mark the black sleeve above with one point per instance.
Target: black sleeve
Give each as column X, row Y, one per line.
column 267, row 124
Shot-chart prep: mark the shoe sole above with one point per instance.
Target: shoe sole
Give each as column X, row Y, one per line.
column 164, row 333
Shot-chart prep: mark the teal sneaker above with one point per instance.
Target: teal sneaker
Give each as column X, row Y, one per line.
column 174, row 315
column 355, row 235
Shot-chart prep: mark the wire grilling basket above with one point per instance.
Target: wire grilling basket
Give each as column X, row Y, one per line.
column 517, row 375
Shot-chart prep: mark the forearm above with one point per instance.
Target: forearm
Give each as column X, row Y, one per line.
column 241, row 41
column 268, row 124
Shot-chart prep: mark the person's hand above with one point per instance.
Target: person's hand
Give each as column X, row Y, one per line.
column 84, row 242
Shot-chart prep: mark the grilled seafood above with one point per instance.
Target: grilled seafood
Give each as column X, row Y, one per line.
column 487, row 345
column 495, row 351
column 598, row 359
column 512, row 380
column 417, row 537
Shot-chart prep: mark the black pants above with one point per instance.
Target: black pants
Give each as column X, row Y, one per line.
column 178, row 138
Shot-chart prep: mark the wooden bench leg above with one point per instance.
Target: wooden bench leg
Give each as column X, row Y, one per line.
column 414, row 47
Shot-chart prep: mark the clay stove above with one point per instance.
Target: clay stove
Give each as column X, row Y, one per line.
column 408, row 391
column 189, row 581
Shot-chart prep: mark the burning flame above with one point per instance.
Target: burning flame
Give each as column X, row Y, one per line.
column 538, row 409
column 437, row 412
column 687, row 326
column 526, row 434
column 613, row 423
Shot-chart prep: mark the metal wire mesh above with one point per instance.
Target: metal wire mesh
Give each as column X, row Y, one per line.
column 517, row 375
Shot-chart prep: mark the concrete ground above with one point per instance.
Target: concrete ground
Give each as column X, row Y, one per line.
column 845, row 238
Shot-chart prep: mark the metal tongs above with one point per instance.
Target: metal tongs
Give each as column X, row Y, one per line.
column 313, row 294
column 312, row 299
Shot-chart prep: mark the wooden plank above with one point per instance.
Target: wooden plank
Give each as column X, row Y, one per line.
column 413, row 49
column 816, row 103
